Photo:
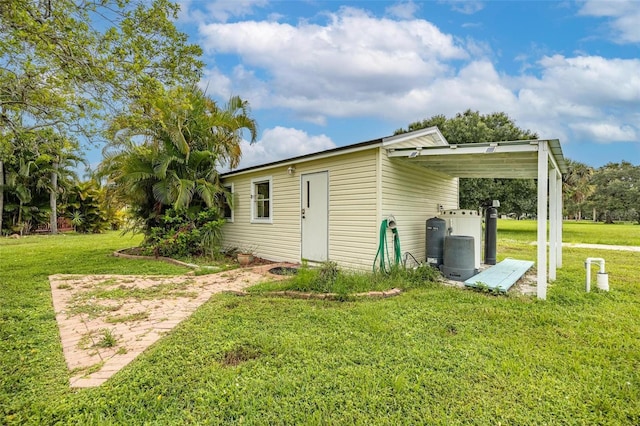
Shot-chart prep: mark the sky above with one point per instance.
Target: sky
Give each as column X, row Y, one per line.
column 322, row 74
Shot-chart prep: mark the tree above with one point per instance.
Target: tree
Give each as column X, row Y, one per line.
column 58, row 154
column 168, row 157
column 68, row 62
column 41, row 164
column 617, row 191
column 516, row 196
column 88, row 207
column 577, row 187
column 65, row 65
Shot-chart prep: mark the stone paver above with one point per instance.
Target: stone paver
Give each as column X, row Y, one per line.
column 87, row 324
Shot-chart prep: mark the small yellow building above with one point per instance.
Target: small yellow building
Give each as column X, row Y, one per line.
column 329, row 205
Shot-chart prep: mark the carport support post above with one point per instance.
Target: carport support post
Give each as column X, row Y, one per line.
column 543, row 181
column 553, row 224
column 560, row 223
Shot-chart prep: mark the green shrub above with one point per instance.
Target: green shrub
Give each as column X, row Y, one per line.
column 185, row 234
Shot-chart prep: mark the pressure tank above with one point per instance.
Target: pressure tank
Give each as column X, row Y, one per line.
column 436, row 231
column 459, row 257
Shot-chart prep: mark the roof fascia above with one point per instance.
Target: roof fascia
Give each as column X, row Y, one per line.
column 403, row 137
column 349, row 149
column 467, row 148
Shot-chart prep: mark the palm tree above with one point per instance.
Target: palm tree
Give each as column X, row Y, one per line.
column 56, row 168
column 577, row 186
column 185, row 138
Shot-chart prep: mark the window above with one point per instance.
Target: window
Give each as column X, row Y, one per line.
column 261, row 200
column 226, row 203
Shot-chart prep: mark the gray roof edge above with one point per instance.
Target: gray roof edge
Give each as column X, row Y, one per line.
column 307, row 157
column 556, row 150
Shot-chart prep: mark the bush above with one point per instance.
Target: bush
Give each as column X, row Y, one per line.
column 182, row 234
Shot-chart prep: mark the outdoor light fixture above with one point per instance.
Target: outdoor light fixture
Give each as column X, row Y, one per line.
column 291, row 170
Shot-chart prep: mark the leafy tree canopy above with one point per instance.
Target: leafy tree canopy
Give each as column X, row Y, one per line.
column 68, row 62
column 516, row 196
column 473, row 127
column 166, row 155
column 617, row 190
column 576, row 187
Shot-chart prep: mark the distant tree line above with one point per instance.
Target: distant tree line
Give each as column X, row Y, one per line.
column 609, row 193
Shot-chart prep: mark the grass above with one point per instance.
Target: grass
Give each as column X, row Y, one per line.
column 328, row 278
column 136, row 316
column 625, row 234
column 158, row 291
column 433, row 355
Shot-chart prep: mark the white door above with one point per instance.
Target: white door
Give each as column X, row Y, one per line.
column 314, row 216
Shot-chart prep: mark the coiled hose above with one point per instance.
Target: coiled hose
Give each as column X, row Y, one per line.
column 385, row 266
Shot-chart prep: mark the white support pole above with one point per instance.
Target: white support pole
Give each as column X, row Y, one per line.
column 553, row 224
column 560, row 221
column 543, row 181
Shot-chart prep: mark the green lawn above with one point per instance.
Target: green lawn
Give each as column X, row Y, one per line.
column 434, row 355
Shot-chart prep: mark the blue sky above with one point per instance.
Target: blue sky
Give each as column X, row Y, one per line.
column 320, row 74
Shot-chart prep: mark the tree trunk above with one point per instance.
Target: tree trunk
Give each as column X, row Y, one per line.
column 1, row 194
column 608, row 219
column 53, row 195
column 595, row 218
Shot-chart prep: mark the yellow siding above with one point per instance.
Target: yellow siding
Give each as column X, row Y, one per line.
column 352, row 210
column 412, row 194
column 279, row 240
column 364, row 187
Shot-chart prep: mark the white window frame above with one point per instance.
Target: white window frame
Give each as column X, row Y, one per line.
column 231, row 189
column 254, row 182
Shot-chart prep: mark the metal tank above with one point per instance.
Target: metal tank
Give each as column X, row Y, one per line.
column 436, row 231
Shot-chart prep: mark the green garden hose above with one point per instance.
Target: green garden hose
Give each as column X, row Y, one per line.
column 385, row 266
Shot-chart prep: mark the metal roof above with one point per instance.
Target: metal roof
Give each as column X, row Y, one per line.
column 428, row 147
column 307, row 157
column 511, row 159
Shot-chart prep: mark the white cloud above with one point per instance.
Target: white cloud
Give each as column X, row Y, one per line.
column 591, row 79
column 280, row 143
column 218, row 10
column 403, row 10
column 624, row 17
column 468, row 7
column 607, row 131
column 216, row 83
column 472, row 25
column 358, row 65
column 223, row 10
column 338, row 68
column 577, row 97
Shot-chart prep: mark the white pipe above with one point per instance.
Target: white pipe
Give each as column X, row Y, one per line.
column 587, row 265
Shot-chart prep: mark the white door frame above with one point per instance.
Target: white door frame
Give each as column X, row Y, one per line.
column 314, row 213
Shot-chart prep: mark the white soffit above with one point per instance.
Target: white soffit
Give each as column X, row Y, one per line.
column 429, row 136
column 514, row 159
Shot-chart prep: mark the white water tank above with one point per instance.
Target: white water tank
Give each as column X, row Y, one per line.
column 466, row 222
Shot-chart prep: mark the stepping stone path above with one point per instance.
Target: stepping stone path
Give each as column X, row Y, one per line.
column 106, row 321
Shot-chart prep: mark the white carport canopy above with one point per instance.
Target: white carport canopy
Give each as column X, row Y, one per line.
column 530, row 159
